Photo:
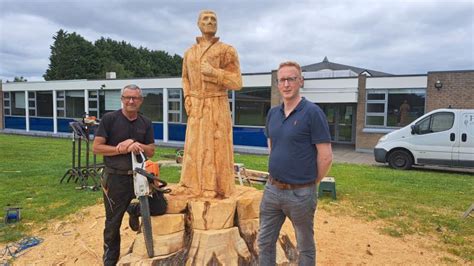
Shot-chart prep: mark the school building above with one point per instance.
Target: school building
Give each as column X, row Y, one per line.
column 361, row 104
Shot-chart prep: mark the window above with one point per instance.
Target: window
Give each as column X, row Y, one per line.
column 112, row 101
column 93, row 99
column 394, row 107
column 17, row 103
column 436, row 123
column 404, row 108
column 152, row 106
column 60, row 104
column 6, row 103
column 44, row 103
column 74, row 104
column 252, row 105
column 375, row 109
column 32, row 103
column 175, row 105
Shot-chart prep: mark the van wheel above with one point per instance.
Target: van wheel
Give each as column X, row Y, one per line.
column 400, row 159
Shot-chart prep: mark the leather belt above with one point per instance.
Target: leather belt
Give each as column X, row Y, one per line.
column 113, row 171
column 286, row 186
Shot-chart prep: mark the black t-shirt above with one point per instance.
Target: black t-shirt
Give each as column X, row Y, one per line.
column 115, row 128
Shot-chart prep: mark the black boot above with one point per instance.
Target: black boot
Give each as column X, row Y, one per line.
column 133, row 211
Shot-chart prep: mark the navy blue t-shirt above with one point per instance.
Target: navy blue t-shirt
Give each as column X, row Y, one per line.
column 293, row 138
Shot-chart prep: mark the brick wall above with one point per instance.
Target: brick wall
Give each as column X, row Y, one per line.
column 457, row 90
column 364, row 141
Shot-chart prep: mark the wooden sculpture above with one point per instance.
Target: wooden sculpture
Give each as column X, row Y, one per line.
column 210, row 68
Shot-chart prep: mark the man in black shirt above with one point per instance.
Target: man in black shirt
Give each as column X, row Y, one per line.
column 120, row 133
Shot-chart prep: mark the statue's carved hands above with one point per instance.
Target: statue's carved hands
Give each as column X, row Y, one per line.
column 208, row 70
column 209, row 73
column 187, row 105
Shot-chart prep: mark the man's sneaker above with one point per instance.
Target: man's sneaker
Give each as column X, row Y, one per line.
column 133, row 222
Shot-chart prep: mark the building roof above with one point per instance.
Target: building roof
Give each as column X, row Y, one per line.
column 325, row 64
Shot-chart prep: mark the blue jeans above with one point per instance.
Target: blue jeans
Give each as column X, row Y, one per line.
column 299, row 205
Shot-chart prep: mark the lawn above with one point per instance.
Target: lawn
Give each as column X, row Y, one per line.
column 423, row 202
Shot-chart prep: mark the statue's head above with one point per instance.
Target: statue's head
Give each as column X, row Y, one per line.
column 207, row 22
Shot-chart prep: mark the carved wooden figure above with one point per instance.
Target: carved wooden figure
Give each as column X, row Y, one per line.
column 210, row 68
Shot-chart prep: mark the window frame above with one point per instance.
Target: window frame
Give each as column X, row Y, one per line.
column 61, row 98
column 430, row 119
column 386, row 93
column 178, row 100
column 235, row 103
column 32, row 110
column 7, row 98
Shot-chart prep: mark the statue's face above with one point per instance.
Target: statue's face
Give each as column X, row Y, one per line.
column 208, row 23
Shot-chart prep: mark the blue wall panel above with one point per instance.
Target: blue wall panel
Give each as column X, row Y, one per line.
column 250, row 136
column 41, row 124
column 247, row 136
column 15, row 122
column 63, row 125
column 158, row 130
column 176, row 132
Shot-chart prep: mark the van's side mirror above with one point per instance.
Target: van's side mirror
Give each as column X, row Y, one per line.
column 415, row 129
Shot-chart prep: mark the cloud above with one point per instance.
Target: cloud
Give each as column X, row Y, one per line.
column 399, row 36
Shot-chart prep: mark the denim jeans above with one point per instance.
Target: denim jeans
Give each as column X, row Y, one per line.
column 299, row 205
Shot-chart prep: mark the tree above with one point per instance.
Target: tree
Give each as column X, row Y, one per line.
column 73, row 57
column 19, row 79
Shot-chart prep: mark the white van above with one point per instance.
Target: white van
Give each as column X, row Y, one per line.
column 443, row 137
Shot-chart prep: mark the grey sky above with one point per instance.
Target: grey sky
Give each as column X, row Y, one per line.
column 396, row 36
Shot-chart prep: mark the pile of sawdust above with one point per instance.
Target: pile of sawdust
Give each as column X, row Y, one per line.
column 340, row 240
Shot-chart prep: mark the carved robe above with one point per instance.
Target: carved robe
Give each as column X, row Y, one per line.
column 208, row 151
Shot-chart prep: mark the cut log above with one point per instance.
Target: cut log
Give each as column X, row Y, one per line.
column 167, row 224
column 212, row 214
column 218, row 247
column 241, row 190
column 162, row 244
column 177, row 258
column 249, row 232
column 248, row 205
column 176, row 203
column 281, row 259
column 287, row 241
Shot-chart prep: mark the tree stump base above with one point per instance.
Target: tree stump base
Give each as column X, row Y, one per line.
column 202, row 231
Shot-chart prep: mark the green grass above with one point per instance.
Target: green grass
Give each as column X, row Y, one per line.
column 30, row 171
column 423, row 202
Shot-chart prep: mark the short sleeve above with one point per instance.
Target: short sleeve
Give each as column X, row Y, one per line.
column 267, row 134
column 149, row 137
column 319, row 127
column 103, row 126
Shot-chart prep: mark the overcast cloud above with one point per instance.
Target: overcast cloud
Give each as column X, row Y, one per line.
column 396, row 36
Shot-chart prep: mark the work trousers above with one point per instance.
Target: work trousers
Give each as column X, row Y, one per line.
column 120, row 194
column 299, row 205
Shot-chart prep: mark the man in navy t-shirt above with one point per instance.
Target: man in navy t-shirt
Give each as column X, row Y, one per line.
column 300, row 156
